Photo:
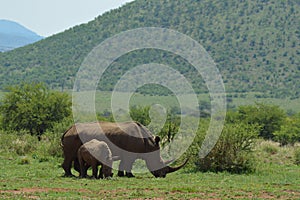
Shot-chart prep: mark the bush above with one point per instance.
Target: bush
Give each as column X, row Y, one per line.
column 233, row 151
column 33, row 108
column 289, row 132
column 270, row 118
column 297, row 156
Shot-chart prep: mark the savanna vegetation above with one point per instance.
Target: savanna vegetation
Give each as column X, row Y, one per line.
column 255, row 45
column 250, row 159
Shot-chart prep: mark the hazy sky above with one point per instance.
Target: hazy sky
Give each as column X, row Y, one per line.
column 47, row 17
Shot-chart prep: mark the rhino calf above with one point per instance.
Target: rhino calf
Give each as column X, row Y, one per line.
column 95, row 153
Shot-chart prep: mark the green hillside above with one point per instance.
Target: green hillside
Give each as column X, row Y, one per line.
column 254, row 43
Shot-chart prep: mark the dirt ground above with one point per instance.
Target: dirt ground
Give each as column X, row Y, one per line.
column 30, row 193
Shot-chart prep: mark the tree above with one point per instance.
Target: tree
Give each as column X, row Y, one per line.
column 34, row 108
column 268, row 117
column 289, row 132
column 169, row 128
column 140, row 114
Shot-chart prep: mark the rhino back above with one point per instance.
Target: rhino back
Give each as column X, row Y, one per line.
column 98, row 149
column 128, row 136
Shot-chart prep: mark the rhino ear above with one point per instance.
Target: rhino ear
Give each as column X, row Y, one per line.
column 157, row 139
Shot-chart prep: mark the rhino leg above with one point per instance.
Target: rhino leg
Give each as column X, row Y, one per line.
column 101, row 172
column 128, row 167
column 129, row 174
column 83, row 173
column 66, row 165
column 95, row 171
column 121, row 173
column 121, row 168
column 126, row 163
column 82, row 165
column 76, row 165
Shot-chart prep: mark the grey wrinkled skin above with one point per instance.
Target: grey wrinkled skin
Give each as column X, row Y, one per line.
column 129, row 141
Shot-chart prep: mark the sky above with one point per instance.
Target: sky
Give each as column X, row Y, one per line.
column 48, row 17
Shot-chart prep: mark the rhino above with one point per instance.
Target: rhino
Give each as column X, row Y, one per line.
column 95, row 153
column 127, row 140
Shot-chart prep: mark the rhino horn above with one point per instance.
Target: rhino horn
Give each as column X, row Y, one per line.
column 174, row 169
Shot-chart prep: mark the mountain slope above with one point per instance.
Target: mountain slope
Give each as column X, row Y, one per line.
column 254, row 43
column 14, row 35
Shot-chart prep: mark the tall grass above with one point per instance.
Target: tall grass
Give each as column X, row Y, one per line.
column 17, row 143
column 272, row 152
column 22, row 143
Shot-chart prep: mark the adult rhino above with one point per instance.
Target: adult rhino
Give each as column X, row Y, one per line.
column 129, row 141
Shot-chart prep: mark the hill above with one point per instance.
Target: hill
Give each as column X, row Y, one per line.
column 254, row 43
column 14, row 35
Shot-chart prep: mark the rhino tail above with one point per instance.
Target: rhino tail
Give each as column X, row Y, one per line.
column 63, row 136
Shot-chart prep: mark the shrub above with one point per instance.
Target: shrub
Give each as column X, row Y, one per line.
column 233, row 151
column 297, row 156
column 270, row 118
column 289, row 132
column 33, row 108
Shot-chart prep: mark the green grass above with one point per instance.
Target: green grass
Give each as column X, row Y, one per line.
column 43, row 179
column 285, row 104
column 33, row 173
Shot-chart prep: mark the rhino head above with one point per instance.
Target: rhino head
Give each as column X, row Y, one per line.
column 155, row 163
